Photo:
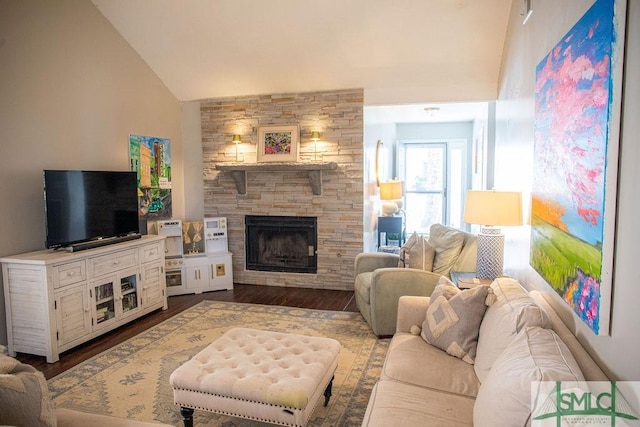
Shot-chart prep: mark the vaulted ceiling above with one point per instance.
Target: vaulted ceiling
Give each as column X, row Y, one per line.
column 399, row 51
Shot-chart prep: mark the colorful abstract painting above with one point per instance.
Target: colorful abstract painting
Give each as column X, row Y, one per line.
column 576, row 132
column 150, row 157
column 278, row 143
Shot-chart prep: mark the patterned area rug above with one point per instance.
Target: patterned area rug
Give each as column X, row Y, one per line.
column 131, row 380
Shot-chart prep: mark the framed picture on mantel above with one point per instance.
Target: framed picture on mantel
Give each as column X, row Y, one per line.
column 278, row 143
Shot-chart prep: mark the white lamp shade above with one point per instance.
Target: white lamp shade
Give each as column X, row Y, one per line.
column 492, row 209
column 488, row 207
column 391, row 190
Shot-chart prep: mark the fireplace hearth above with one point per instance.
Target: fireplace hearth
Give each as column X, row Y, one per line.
column 281, row 243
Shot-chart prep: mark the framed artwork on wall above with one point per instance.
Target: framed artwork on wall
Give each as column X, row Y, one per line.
column 150, row 157
column 278, row 143
column 576, row 140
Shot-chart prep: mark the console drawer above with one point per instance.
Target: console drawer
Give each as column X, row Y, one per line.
column 69, row 273
column 106, row 264
column 150, row 253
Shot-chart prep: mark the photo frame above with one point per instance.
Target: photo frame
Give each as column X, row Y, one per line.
column 278, row 143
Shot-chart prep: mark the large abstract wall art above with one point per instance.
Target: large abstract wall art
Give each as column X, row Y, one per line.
column 576, row 138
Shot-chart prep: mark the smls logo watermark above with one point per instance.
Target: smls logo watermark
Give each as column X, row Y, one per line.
column 586, row 403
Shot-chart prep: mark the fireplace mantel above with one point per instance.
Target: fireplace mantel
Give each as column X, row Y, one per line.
column 238, row 172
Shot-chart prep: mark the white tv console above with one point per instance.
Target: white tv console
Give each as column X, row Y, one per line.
column 56, row 300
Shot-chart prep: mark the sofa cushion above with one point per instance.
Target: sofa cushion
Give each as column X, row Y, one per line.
column 410, row 359
column 417, row 253
column 447, row 243
column 506, row 395
column 468, row 258
column 24, row 396
column 393, row 403
column 589, row 368
column 453, row 319
column 512, row 310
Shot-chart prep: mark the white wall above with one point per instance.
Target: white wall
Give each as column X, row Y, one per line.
column 526, row 46
column 192, row 148
column 72, row 92
column 374, row 132
column 434, row 131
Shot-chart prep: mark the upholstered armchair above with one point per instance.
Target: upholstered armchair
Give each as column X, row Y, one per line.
column 382, row 278
column 25, row 401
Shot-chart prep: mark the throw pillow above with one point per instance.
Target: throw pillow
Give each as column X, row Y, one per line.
column 417, row 253
column 535, row 355
column 411, row 241
column 24, row 396
column 453, row 319
column 447, row 243
column 513, row 310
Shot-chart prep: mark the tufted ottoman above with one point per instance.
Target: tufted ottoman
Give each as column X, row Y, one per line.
column 260, row 375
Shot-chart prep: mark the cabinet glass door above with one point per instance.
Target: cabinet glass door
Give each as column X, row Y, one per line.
column 129, row 292
column 104, row 302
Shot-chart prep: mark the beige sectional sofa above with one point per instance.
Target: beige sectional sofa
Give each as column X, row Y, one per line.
column 520, row 341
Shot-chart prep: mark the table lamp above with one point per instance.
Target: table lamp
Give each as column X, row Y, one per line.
column 237, row 141
column 315, row 137
column 391, row 193
column 492, row 209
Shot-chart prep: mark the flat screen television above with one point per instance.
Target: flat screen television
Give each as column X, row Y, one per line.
column 86, row 209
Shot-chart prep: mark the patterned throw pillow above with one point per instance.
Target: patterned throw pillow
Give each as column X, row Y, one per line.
column 416, row 253
column 453, row 319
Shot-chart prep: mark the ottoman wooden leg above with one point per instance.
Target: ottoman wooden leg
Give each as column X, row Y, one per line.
column 187, row 416
column 327, row 392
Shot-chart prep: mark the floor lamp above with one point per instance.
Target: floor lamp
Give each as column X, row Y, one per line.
column 492, row 209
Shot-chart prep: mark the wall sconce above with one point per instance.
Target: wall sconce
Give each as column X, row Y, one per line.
column 315, row 137
column 237, row 140
column 492, row 209
column 526, row 12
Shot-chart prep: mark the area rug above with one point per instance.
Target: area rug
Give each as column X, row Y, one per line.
column 131, row 380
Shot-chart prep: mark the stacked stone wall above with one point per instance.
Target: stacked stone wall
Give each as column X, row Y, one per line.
column 338, row 116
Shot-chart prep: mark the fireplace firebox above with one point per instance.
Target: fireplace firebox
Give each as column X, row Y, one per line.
column 281, row 243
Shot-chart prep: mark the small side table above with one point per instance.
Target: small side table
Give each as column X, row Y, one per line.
column 389, row 224
column 466, row 280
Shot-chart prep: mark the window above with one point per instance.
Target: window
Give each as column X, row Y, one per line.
column 435, row 176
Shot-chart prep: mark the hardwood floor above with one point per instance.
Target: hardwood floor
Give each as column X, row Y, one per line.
column 269, row 295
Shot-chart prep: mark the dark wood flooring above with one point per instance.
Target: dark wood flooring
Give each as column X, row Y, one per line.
column 319, row 299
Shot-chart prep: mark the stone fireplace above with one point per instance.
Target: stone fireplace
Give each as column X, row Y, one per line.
column 334, row 197
column 281, row 243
